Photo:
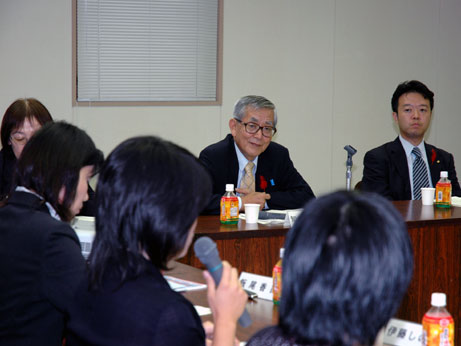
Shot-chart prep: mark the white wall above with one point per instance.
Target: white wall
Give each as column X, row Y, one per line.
column 329, row 66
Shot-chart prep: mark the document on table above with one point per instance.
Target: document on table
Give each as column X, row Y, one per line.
column 180, row 285
column 202, row 310
column 272, row 216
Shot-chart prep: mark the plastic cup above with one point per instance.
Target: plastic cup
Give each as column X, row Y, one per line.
column 427, row 195
column 251, row 212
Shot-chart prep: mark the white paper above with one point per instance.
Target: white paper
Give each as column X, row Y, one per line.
column 202, row 311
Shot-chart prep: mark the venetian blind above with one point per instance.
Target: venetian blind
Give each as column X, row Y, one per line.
column 147, row 50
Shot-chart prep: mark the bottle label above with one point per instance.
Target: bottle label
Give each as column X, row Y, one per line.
column 443, row 195
column 229, row 209
column 438, row 331
column 277, row 283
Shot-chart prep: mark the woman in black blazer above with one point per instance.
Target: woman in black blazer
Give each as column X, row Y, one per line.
column 40, row 258
column 149, row 195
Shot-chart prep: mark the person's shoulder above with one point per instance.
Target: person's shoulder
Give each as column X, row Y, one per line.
column 165, row 301
column 384, row 148
column 53, row 230
column 439, row 151
column 223, row 143
column 152, row 279
column 27, row 210
column 275, row 148
column 7, row 163
column 7, row 157
column 217, row 150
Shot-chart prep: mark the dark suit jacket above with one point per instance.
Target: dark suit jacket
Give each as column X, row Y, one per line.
column 386, row 170
column 7, row 171
column 40, row 267
column 7, row 165
column 141, row 311
column 287, row 188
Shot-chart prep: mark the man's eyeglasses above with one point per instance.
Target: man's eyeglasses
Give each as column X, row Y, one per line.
column 252, row 128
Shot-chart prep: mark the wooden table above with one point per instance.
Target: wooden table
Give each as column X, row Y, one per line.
column 263, row 312
column 435, row 235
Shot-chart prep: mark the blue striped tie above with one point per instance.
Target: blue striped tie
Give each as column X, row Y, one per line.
column 419, row 174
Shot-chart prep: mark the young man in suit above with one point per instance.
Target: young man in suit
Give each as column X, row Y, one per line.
column 396, row 169
column 261, row 169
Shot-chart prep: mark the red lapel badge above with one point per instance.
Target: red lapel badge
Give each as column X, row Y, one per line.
column 263, row 183
column 433, row 156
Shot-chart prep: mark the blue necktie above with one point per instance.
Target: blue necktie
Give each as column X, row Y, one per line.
column 419, row 174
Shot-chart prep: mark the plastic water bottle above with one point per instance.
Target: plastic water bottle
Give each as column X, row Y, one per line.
column 438, row 325
column 443, row 191
column 277, row 279
column 229, row 206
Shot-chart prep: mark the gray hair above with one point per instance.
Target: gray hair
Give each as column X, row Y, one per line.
column 253, row 101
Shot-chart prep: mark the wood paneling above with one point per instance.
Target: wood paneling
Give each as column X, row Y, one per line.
column 436, row 238
column 252, row 248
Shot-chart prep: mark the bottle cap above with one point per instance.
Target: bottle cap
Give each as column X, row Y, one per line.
column 282, row 251
column 443, row 174
column 438, row 299
column 229, row 187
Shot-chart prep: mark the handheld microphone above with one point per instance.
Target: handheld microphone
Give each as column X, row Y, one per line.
column 206, row 251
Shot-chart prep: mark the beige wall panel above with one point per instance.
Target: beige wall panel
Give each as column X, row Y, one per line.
column 329, row 66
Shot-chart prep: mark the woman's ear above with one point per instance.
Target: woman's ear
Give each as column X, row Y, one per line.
column 62, row 194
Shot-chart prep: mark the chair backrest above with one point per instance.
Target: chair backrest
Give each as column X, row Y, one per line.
column 358, row 186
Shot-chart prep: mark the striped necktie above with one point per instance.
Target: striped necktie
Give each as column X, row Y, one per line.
column 248, row 180
column 420, row 178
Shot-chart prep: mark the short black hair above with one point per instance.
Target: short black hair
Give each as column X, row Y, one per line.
column 412, row 86
column 347, row 264
column 52, row 159
column 149, row 193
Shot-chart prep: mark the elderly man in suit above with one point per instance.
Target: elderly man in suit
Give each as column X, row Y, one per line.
column 398, row 169
column 261, row 169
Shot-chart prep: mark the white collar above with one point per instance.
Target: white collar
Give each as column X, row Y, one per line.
column 408, row 147
column 52, row 211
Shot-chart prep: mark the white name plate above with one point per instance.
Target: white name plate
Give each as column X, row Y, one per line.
column 261, row 285
column 403, row 333
column 292, row 215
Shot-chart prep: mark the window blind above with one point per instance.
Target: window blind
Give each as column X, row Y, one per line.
column 147, row 50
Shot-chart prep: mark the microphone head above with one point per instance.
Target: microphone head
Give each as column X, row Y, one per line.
column 350, row 149
column 206, row 251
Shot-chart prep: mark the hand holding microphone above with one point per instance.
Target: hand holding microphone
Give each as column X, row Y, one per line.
column 226, row 297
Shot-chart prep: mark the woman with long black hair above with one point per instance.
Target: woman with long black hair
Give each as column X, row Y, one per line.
column 149, row 195
column 40, row 258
